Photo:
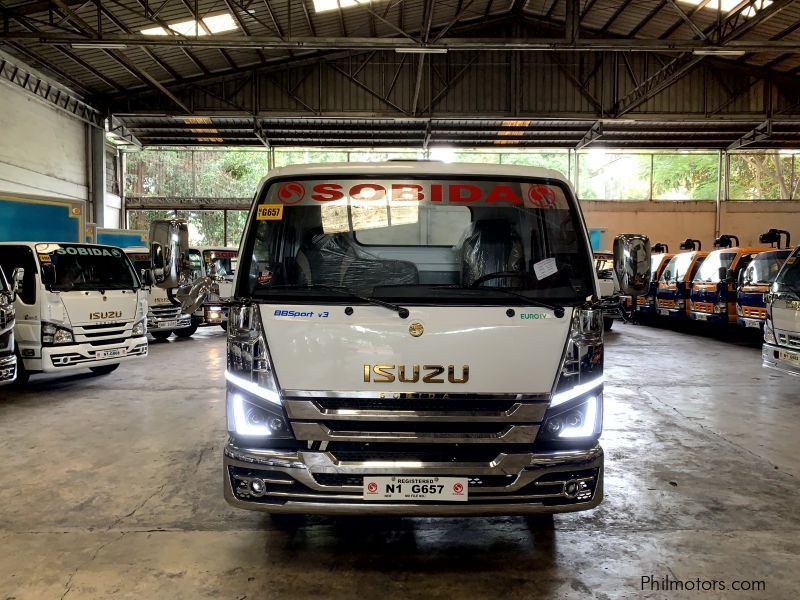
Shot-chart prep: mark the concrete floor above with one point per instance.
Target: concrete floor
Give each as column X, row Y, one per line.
column 111, row 486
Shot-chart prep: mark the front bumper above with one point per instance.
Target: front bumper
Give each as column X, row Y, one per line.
column 712, row 318
column 57, row 359
column 780, row 358
column 750, row 323
column 155, row 324
column 8, row 369
column 306, row 482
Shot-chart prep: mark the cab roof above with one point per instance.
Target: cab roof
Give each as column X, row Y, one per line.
column 412, row 167
column 742, row 249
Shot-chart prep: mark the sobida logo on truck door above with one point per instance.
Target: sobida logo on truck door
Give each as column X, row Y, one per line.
column 411, row 373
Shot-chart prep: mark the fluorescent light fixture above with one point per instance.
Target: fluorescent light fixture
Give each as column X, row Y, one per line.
column 99, row 46
column 718, row 52
column 420, row 50
column 213, row 23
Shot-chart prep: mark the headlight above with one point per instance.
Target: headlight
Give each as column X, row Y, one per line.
column 581, row 420
column 769, row 333
column 54, row 335
column 253, row 396
column 247, row 419
column 139, row 329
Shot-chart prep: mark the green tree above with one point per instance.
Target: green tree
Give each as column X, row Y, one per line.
column 685, row 176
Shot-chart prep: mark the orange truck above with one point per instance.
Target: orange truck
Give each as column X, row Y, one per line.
column 713, row 293
column 674, row 283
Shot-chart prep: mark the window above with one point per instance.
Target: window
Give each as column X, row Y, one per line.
column 207, row 25
column 326, row 5
column 614, row 176
column 762, row 176
column 685, row 176
column 709, row 270
column 14, row 257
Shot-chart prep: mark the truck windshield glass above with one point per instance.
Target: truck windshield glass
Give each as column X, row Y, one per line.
column 655, row 263
column 427, row 240
column 678, row 267
column 709, row 270
column 789, row 276
column 221, row 263
column 84, row 267
column 765, row 267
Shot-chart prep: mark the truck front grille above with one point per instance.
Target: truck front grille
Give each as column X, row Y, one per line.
column 754, row 312
column 668, row 304
column 165, row 312
column 417, row 419
column 788, row 340
column 703, row 307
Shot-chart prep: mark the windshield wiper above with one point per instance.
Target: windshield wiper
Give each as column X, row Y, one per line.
column 340, row 289
column 558, row 311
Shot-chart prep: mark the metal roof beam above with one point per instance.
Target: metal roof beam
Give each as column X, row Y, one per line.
column 595, row 132
column 758, row 134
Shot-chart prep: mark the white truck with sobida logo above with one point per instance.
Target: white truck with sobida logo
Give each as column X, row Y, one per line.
column 77, row 306
column 415, row 338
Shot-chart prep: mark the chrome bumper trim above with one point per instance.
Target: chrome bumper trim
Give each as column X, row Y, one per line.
column 771, row 361
column 312, row 497
column 8, row 369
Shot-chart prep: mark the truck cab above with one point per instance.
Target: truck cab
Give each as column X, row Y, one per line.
column 8, row 360
column 754, row 284
column 646, row 304
column 414, row 338
column 674, row 284
column 781, row 349
column 163, row 317
column 219, row 265
column 713, row 295
column 77, row 306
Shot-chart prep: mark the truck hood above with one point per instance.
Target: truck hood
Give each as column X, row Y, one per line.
column 785, row 316
column 94, row 308
column 316, row 347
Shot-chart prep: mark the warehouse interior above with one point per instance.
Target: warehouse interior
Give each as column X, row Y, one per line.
column 675, row 119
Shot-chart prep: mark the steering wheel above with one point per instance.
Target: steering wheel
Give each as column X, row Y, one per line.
column 498, row 275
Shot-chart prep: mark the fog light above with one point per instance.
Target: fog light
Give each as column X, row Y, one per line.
column 571, row 489
column 257, row 487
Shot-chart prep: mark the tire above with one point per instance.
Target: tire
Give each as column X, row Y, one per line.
column 224, row 325
column 160, row 336
column 186, row 332
column 104, row 370
column 608, row 324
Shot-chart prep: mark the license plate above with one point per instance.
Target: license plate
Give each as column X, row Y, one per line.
column 416, row 489
column 104, row 354
column 663, row 312
column 752, row 324
column 701, row 317
column 168, row 324
column 789, row 356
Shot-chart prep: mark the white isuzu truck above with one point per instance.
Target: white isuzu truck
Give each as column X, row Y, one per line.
column 415, row 338
column 781, row 349
column 77, row 306
column 8, row 360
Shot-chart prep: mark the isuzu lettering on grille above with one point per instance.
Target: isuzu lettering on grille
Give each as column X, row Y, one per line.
column 109, row 314
column 411, row 373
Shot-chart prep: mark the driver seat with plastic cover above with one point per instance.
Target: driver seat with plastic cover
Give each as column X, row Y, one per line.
column 491, row 246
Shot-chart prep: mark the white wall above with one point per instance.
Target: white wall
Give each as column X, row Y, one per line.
column 673, row 222
column 42, row 150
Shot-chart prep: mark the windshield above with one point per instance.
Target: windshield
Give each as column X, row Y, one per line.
column 428, row 240
column 765, row 267
column 709, row 271
column 655, row 263
column 677, row 267
column 789, row 276
column 88, row 267
column 221, row 263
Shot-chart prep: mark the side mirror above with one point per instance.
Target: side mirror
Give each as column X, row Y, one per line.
column 667, row 275
column 48, row 274
column 17, row 277
column 632, row 263
column 722, row 273
column 169, row 240
column 146, row 276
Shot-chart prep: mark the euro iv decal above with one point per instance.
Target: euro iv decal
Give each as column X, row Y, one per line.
column 412, row 373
